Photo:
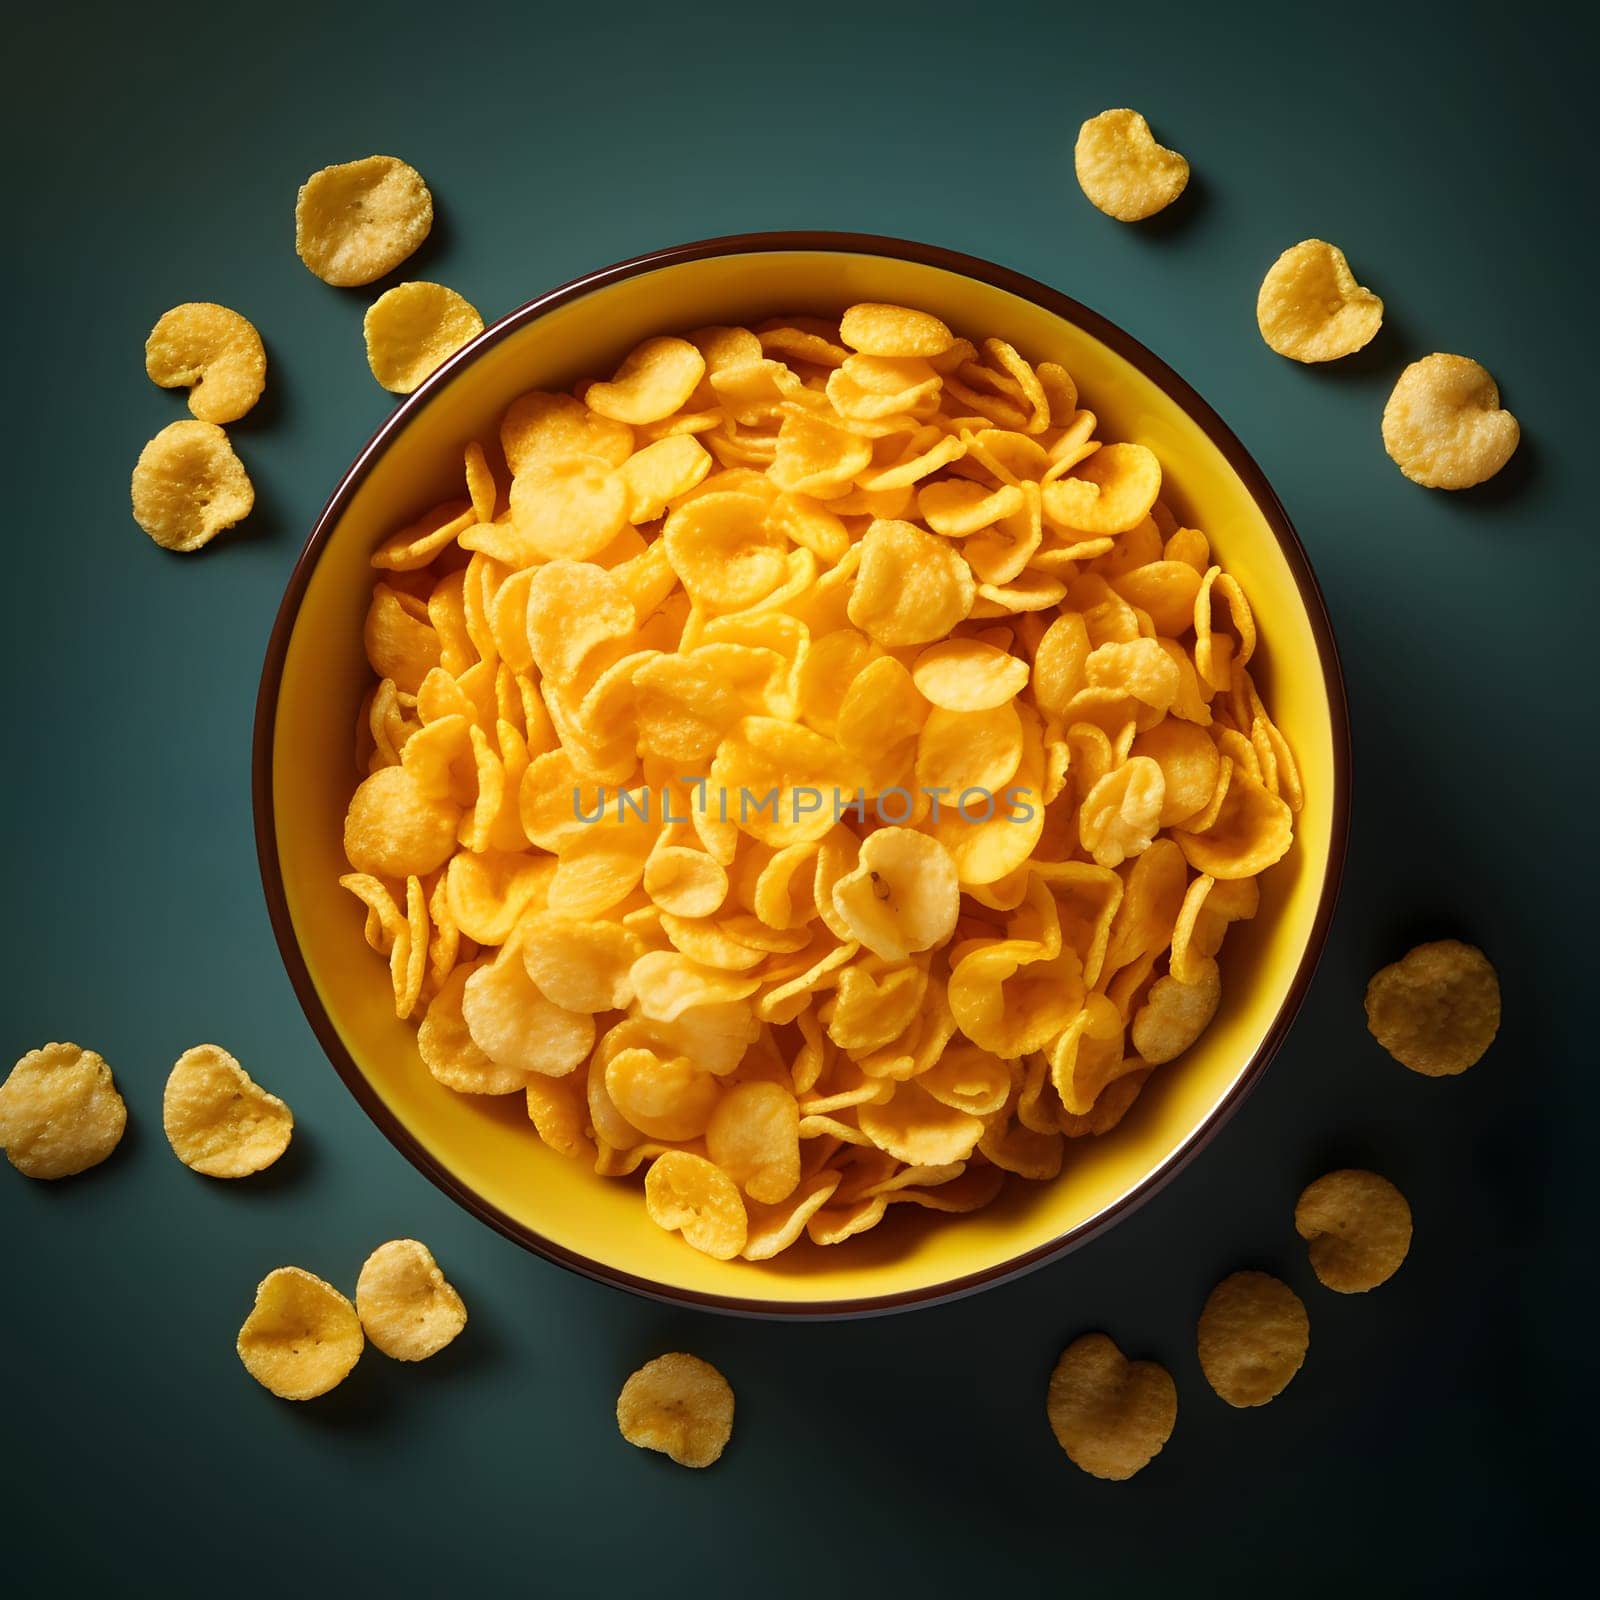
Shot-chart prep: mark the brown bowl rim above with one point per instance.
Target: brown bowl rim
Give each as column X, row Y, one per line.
column 827, row 243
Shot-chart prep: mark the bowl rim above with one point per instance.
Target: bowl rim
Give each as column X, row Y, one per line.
column 823, row 242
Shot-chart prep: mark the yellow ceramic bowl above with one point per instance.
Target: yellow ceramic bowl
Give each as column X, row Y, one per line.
column 483, row 1151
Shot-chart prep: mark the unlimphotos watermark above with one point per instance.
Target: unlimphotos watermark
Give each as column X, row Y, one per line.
column 794, row 803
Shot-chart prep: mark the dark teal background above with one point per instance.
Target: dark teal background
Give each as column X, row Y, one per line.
column 1435, row 1439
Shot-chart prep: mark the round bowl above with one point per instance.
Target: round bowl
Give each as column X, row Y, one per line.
column 483, row 1152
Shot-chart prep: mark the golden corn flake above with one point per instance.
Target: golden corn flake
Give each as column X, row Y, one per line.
column 1444, row 426
column 406, row 1305
column 1437, row 1009
column 1109, row 493
column 414, row 328
column 1359, row 1228
column 813, row 770
column 393, row 828
column 1109, row 1414
column 188, row 486
column 686, row 1193
column 571, row 507
column 653, row 381
column 418, row 543
column 679, row 1405
column 1253, row 1336
column 1251, row 829
column 1175, row 1014
column 1189, row 762
column 662, row 1094
column 919, row 1130
column 555, row 426
column 302, row 1337
column 558, row 1113
column 360, row 219
column 774, row 1228
column 218, row 1119
column 1311, row 308
column 895, row 331
column 60, row 1112
column 212, row 352
column 1111, row 1106
column 1121, row 815
column 1122, row 169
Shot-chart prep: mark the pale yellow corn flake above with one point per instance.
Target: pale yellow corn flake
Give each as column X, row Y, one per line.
column 517, row 1027
column 408, row 1308
column 1311, row 308
column 449, row 1051
column 302, row 1337
column 753, row 1134
column 413, row 329
column 60, row 1112
column 662, row 1094
column 580, row 964
column 1122, row 169
column 912, row 587
column 1444, row 426
column 188, row 485
column 903, row 896
column 355, row 221
column 218, row 1119
column 1111, row 1415
column 679, row 1405
column 214, row 353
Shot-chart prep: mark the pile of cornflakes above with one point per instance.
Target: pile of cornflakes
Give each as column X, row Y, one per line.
column 188, row 484
column 813, row 767
column 1444, row 426
column 303, row 1337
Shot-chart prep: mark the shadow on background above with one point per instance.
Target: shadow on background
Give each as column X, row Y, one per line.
column 1185, row 213
column 419, row 264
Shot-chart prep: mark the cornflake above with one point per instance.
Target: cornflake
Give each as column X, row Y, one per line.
column 360, row 219
column 679, row 1405
column 1109, row 1414
column 60, row 1112
column 1122, row 169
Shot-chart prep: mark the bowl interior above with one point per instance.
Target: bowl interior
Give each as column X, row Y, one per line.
column 485, row 1150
